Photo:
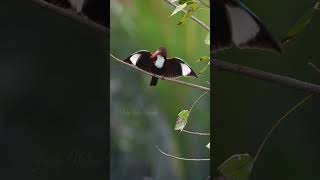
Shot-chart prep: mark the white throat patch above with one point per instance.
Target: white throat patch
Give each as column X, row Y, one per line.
column 159, row 62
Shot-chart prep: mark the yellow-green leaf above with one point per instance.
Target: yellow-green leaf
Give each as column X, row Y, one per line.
column 182, row 120
column 207, row 40
column 237, row 167
column 205, row 68
column 185, row 17
column 203, row 58
column 178, row 9
column 301, row 24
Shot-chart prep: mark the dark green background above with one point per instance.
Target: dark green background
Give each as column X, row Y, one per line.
column 244, row 109
column 52, row 96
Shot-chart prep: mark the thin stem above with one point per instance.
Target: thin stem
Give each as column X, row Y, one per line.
column 195, row 133
column 160, row 77
column 195, row 102
column 192, row 17
column 179, row 158
column 314, row 66
column 206, row 5
column 277, row 124
column 72, row 15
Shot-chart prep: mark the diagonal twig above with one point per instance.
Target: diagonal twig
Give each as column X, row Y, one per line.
column 195, row 133
column 192, row 17
column 266, row 76
column 205, row 4
column 278, row 123
column 314, row 66
column 180, row 158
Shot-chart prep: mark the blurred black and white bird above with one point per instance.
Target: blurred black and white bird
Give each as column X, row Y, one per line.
column 78, row 5
column 234, row 23
column 95, row 10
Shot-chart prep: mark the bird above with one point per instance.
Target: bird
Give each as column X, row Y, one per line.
column 234, row 23
column 157, row 63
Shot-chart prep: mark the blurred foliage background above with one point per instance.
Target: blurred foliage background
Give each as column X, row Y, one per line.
column 144, row 116
column 244, row 109
column 52, row 96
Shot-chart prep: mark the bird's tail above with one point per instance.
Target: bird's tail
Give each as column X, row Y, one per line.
column 154, row 81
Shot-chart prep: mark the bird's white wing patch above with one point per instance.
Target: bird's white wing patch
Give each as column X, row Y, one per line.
column 134, row 58
column 185, row 69
column 243, row 26
column 159, row 62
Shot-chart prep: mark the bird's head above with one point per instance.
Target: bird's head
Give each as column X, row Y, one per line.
column 162, row 51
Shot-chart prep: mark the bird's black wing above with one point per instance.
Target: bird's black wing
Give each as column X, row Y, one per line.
column 141, row 59
column 176, row 67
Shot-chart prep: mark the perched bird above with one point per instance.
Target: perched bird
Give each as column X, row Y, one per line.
column 234, row 23
column 158, row 63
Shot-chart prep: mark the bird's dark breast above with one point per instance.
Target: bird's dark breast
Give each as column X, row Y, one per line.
column 157, row 71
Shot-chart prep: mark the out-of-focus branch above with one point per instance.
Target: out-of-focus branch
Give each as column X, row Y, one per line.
column 266, row 76
column 72, row 15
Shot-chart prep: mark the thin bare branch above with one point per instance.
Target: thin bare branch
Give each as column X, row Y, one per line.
column 72, row 15
column 192, row 17
column 179, row 158
column 160, row 77
column 195, row 133
column 266, row 76
column 205, row 4
column 197, row 100
column 314, row 66
column 278, row 123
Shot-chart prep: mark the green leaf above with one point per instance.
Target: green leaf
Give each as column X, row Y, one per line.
column 237, row 167
column 301, row 24
column 203, row 58
column 178, row 9
column 182, row 120
column 185, row 17
column 207, row 40
column 182, row 1
column 205, row 68
column 193, row 5
column 208, row 146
